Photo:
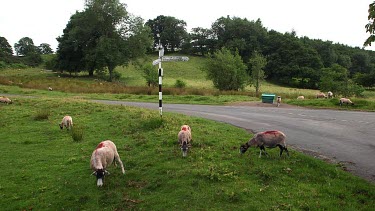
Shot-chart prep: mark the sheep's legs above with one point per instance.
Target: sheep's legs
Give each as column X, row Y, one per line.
column 262, row 149
column 282, row 149
column 117, row 157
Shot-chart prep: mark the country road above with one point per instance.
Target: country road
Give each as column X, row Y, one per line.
column 346, row 137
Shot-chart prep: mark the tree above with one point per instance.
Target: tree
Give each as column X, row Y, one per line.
column 45, row 48
column 226, row 70
column 102, row 37
column 171, row 30
column 336, row 79
column 370, row 27
column 202, row 41
column 5, row 48
column 25, row 46
column 150, row 74
column 257, row 63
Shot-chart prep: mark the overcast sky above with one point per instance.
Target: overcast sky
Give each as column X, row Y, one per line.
column 340, row 21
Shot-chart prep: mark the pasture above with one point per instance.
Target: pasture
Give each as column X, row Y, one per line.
column 45, row 168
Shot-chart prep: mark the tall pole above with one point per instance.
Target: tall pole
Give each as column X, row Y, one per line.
column 161, row 53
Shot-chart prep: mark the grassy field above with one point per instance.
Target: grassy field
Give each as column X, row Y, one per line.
column 44, row 168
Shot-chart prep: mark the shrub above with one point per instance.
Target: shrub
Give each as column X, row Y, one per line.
column 180, row 84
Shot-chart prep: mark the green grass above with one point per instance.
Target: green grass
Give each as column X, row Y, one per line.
column 45, row 169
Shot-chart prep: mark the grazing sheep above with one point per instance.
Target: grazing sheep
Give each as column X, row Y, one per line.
column 345, row 100
column 50, row 89
column 301, row 97
column 278, row 100
column 5, row 100
column 330, row 94
column 269, row 139
column 67, row 121
column 321, row 95
column 102, row 157
column 184, row 139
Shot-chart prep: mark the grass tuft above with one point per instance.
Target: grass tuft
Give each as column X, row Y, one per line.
column 42, row 114
column 77, row 133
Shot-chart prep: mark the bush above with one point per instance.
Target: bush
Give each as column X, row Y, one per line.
column 180, row 84
column 77, row 133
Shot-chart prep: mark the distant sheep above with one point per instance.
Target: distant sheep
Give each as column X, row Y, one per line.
column 269, row 139
column 102, row 157
column 50, row 89
column 66, row 122
column 184, row 139
column 346, row 101
column 278, row 101
column 321, row 95
column 301, row 97
column 330, row 94
column 5, row 100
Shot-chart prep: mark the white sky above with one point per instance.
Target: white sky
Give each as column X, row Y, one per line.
column 340, row 21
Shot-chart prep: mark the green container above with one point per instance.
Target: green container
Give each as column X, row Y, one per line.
column 268, row 98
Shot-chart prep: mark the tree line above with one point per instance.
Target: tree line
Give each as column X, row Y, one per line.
column 104, row 35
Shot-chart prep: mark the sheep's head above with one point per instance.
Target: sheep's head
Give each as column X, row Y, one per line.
column 184, row 149
column 61, row 126
column 243, row 148
column 100, row 173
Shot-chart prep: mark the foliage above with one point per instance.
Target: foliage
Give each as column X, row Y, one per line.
column 257, row 63
column 171, row 32
column 180, row 84
column 5, row 49
column 336, row 79
column 45, row 48
column 150, row 73
column 77, row 133
column 202, row 41
column 226, row 70
column 25, row 46
column 370, row 26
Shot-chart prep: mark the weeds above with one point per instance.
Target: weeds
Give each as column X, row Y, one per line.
column 77, row 133
column 42, row 114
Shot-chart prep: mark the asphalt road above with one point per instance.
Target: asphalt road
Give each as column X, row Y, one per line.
column 344, row 136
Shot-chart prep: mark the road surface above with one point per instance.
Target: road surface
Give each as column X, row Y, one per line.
column 347, row 137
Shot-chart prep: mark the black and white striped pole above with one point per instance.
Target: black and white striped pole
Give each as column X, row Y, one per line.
column 161, row 54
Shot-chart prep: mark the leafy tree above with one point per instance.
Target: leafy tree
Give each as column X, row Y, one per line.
column 171, row 30
column 202, row 41
column 257, row 63
column 370, row 27
column 226, row 70
column 45, row 48
column 336, row 79
column 5, row 48
column 150, row 74
column 102, row 37
column 25, row 46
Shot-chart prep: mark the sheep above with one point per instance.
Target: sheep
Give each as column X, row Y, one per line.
column 184, row 139
column 5, row 100
column 102, row 157
column 321, row 95
column 301, row 97
column 67, row 121
column 345, row 100
column 269, row 139
column 278, row 100
column 50, row 89
column 330, row 94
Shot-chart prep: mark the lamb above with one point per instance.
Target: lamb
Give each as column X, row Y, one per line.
column 345, row 100
column 184, row 139
column 5, row 100
column 301, row 97
column 330, row 94
column 278, row 101
column 102, row 157
column 269, row 139
column 321, row 95
column 67, row 121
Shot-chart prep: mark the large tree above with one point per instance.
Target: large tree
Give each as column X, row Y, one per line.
column 45, row 48
column 170, row 30
column 227, row 70
column 102, row 37
column 370, row 26
column 5, row 48
column 202, row 41
column 25, row 46
column 257, row 64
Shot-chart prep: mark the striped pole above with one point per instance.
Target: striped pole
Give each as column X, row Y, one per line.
column 160, row 91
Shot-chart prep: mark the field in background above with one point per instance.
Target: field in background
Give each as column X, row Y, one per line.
column 45, row 169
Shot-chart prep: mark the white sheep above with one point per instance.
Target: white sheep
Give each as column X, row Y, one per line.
column 345, row 100
column 321, row 95
column 278, row 101
column 269, row 139
column 102, row 157
column 330, row 94
column 184, row 139
column 67, row 121
column 5, row 100
column 50, row 89
column 301, row 97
